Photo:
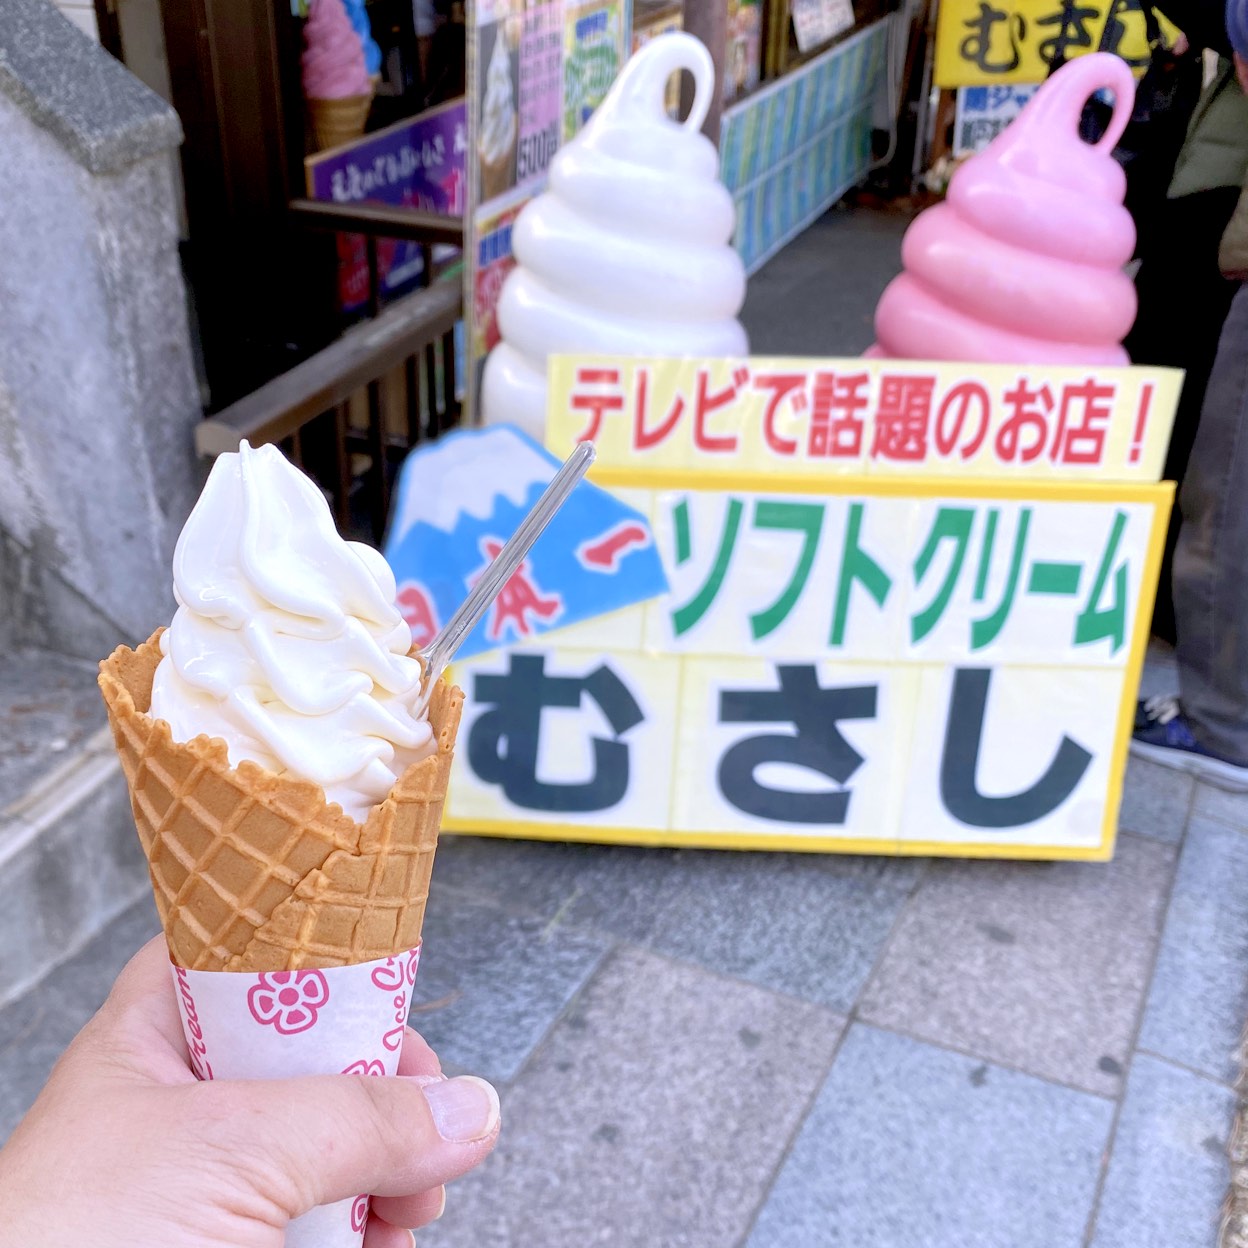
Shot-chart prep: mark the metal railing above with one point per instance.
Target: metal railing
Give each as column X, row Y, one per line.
column 348, row 414
column 375, row 222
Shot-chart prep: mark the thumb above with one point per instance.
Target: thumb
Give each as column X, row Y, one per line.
column 326, row 1138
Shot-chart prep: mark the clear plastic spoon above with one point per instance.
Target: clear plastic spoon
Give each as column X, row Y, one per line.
column 441, row 650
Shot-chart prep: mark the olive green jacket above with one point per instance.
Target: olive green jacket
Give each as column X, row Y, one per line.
column 1215, row 152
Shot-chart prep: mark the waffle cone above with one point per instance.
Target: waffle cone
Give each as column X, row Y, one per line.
column 338, row 121
column 497, row 176
column 257, row 872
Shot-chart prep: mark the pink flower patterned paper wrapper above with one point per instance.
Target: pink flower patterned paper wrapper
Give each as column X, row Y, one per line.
column 345, row 1020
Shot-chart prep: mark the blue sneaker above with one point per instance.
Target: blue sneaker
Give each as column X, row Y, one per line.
column 1163, row 734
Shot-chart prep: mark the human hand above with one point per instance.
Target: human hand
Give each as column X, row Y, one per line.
column 1241, row 71
column 126, row 1147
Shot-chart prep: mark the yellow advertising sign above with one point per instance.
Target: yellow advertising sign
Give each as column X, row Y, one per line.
column 906, row 612
column 841, row 664
column 979, row 43
column 864, row 418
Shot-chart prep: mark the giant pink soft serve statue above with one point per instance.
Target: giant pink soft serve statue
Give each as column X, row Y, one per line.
column 1023, row 262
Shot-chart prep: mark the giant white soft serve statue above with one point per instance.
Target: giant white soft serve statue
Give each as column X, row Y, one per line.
column 628, row 251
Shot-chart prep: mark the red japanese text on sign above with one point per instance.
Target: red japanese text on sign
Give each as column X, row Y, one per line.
column 867, row 415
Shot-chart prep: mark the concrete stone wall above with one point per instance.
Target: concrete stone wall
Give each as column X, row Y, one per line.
column 98, row 398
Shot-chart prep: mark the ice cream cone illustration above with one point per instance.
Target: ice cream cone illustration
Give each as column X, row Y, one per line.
column 496, row 149
column 627, row 251
column 336, row 81
column 357, row 11
column 1023, row 263
column 339, row 121
column 497, row 175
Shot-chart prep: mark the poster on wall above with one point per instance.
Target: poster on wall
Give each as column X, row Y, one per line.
column 983, row 112
column 536, row 70
column 541, row 55
column 817, row 21
column 497, row 87
column 875, row 570
column 743, row 59
column 494, row 261
column 1020, row 41
column 594, row 48
column 420, row 163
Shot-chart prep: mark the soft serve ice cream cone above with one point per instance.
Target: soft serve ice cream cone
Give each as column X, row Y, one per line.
column 336, row 81
column 1024, row 261
column 274, row 738
column 287, row 643
column 496, row 149
column 287, row 782
column 628, row 250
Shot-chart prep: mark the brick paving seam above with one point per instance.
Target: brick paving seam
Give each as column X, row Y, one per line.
column 1233, row 1230
column 1133, row 1048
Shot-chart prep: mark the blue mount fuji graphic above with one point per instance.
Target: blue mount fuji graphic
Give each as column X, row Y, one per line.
column 460, row 498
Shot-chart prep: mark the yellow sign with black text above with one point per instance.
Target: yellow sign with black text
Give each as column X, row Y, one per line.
column 982, row 43
column 856, row 665
column 906, row 612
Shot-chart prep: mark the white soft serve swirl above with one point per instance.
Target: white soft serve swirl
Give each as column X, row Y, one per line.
column 628, row 250
column 498, row 122
column 287, row 643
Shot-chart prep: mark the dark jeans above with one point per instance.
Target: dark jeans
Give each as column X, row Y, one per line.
column 1210, row 577
column 1183, row 301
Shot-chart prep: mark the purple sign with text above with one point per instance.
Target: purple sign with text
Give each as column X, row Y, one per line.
column 541, row 76
column 418, row 163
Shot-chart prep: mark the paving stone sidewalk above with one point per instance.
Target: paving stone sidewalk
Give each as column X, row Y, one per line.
column 716, row 1049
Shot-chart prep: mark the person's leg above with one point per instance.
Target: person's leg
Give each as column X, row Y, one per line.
column 1210, row 577
column 1206, row 730
column 1183, row 301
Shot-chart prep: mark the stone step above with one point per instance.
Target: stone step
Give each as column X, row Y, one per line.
column 36, row 1026
column 69, row 857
